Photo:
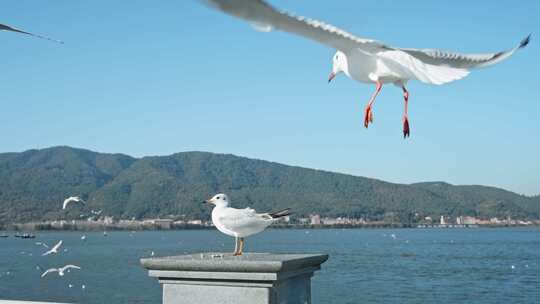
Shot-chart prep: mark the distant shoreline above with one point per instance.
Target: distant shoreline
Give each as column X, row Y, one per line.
column 17, row 228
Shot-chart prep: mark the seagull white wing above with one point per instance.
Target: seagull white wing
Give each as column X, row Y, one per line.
column 49, row 271
column 42, row 244
column 69, row 267
column 57, row 245
column 243, row 219
column 71, row 199
column 439, row 67
column 264, row 17
column 4, row 27
column 66, row 202
column 463, row 61
column 406, row 66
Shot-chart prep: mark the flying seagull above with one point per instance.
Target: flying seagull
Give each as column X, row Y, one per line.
column 60, row 270
column 240, row 223
column 42, row 244
column 53, row 250
column 4, row 27
column 366, row 60
column 72, row 199
column 96, row 212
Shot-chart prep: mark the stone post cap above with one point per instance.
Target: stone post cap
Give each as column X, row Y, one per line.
column 226, row 262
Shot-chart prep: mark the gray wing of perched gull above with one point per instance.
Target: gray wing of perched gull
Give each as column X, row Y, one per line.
column 264, row 17
column 244, row 219
column 4, row 27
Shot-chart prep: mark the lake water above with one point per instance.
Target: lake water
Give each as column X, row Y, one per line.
column 365, row 266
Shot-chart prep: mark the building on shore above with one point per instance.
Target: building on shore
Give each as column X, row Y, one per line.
column 315, row 219
column 443, row 220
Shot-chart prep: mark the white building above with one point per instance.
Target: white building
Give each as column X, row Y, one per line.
column 315, row 219
column 443, row 220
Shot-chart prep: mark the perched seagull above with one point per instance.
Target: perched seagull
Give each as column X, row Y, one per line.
column 366, row 60
column 54, row 249
column 240, row 223
column 72, row 199
column 60, row 270
column 4, row 27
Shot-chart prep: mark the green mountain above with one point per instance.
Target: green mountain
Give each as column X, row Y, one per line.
column 34, row 183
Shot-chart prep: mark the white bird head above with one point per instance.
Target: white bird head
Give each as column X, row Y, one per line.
column 339, row 64
column 220, row 200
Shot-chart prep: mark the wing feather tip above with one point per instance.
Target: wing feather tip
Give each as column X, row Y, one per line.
column 525, row 41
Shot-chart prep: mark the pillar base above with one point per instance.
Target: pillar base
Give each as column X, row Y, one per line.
column 253, row 278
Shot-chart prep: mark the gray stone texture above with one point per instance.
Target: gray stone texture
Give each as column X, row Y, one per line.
column 254, row 278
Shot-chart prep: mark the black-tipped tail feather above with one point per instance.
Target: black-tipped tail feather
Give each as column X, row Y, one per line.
column 280, row 213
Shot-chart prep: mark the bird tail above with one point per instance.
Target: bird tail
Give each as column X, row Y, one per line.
column 280, row 213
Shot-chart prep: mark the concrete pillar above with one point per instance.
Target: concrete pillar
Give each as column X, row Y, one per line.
column 253, row 278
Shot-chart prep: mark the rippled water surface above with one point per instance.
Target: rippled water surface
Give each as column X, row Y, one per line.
column 365, row 266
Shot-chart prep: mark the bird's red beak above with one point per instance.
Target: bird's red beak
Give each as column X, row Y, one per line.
column 331, row 76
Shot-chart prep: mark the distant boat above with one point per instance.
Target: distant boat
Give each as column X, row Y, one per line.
column 3, row 235
column 25, row 236
column 104, row 233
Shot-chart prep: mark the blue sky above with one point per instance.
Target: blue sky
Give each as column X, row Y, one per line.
column 147, row 78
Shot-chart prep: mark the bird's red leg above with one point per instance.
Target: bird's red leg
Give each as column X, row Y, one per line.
column 406, row 129
column 368, row 115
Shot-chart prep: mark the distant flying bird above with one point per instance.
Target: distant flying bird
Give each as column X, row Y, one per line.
column 72, row 199
column 366, row 60
column 96, row 212
column 60, row 270
column 4, row 27
column 53, row 250
column 42, row 244
column 240, row 223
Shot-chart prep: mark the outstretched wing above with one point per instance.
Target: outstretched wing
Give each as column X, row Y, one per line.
column 66, row 202
column 57, row 245
column 264, row 17
column 4, row 27
column 49, row 271
column 439, row 67
column 70, row 266
column 463, row 61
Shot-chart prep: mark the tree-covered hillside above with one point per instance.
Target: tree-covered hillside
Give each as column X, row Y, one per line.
column 34, row 183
